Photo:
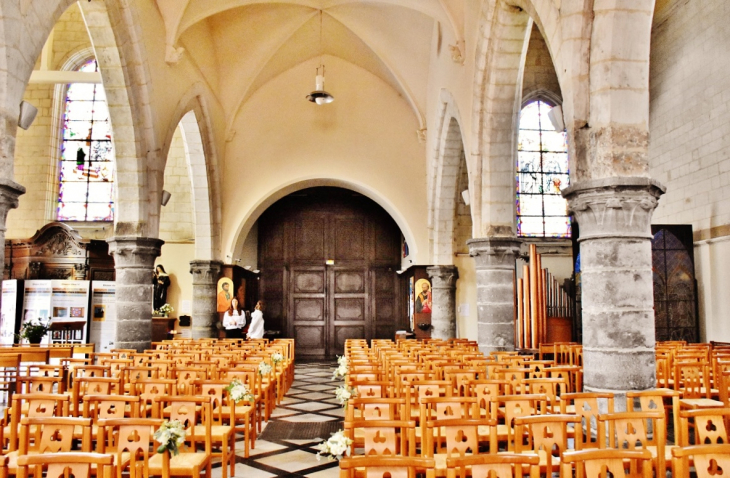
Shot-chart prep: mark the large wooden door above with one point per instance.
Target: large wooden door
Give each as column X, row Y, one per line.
column 328, row 259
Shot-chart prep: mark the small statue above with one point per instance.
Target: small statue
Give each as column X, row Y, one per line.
column 161, row 280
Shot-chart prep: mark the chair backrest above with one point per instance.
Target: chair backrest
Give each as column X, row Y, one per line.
column 132, row 438
column 63, row 465
column 110, row 406
column 585, row 405
column 604, row 463
column 709, row 426
column 520, row 406
column 52, row 434
column 502, row 465
column 692, row 379
column 547, row 434
column 635, row 430
column 710, row 461
column 385, row 437
column 192, row 412
column 381, row 467
column 376, row 409
column 148, row 390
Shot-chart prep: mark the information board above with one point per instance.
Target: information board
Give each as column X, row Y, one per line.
column 69, row 310
column 8, row 311
column 36, row 302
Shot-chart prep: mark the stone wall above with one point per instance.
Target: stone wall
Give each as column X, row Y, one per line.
column 176, row 219
column 38, row 149
column 690, row 139
column 539, row 74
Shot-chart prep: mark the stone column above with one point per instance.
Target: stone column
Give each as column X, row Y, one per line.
column 134, row 259
column 495, row 267
column 205, row 307
column 9, row 193
column 443, row 301
column 614, row 215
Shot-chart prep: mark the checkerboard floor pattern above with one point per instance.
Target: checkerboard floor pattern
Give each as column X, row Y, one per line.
column 310, row 399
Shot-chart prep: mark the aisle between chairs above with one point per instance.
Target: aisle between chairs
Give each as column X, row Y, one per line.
column 309, row 409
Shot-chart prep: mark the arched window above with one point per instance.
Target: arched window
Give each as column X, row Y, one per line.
column 87, row 156
column 542, row 171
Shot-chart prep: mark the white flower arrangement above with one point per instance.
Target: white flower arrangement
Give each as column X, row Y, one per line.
column 164, row 309
column 170, row 435
column 337, row 446
column 239, row 391
column 277, row 357
column 264, row 368
column 342, row 369
column 345, row 393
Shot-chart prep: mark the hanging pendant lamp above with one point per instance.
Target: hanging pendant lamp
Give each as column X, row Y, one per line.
column 320, row 96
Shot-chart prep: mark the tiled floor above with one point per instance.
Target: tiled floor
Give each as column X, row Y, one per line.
column 311, row 398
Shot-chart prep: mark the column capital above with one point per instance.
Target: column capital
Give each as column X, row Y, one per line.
column 134, row 251
column 617, row 207
column 10, row 191
column 205, row 271
column 494, row 251
column 443, row 277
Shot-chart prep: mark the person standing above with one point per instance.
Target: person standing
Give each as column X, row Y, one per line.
column 233, row 320
column 256, row 329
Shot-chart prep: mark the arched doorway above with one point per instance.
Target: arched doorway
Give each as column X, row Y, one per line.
column 328, row 259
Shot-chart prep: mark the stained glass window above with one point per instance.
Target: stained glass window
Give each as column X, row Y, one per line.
column 87, row 156
column 542, row 171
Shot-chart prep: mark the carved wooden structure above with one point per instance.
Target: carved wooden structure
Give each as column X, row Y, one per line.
column 56, row 251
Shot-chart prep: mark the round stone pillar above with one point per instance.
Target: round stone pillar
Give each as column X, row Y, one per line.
column 443, row 301
column 495, row 267
column 134, row 259
column 205, row 313
column 614, row 215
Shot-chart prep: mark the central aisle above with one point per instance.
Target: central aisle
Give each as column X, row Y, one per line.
column 310, row 399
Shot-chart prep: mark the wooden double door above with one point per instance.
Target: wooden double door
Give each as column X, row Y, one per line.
column 328, row 261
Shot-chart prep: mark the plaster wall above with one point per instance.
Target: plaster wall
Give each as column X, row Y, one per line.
column 176, row 260
column 350, row 141
column 690, row 140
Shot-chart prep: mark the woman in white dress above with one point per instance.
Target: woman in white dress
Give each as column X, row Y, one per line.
column 256, row 329
column 233, row 320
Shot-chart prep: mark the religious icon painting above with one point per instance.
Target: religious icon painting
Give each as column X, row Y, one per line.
column 422, row 292
column 225, row 294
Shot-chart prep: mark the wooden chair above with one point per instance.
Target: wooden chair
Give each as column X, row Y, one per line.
column 195, row 414
column 502, row 465
column 9, row 370
column 655, row 400
column 63, row 465
column 518, row 406
column 131, row 441
column 585, row 405
column 384, row 437
column 547, row 435
column 710, row 426
column 222, row 422
column 40, row 436
column 32, row 405
column 147, row 390
column 709, row 461
column 635, row 430
column 605, row 463
column 382, row 467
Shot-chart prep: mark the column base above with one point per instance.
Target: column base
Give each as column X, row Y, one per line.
column 205, row 315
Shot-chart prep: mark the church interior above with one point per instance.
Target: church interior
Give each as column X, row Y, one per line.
column 501, row 173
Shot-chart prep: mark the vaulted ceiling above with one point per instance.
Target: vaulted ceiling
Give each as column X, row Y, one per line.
column 240, row 45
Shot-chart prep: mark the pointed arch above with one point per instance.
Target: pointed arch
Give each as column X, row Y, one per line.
column 193, row 119
column 447, row 157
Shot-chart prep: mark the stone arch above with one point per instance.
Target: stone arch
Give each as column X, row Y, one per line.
column 252, row 215
column 500, row 55
column 448, row 154
column 201, row 158
column 139, row 168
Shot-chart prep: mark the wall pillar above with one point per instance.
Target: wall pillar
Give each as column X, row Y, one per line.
column 443, row 301
column 9, row 193
column 614, row 215
column 205, row 312
column 134, row 260
column 495, row 267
